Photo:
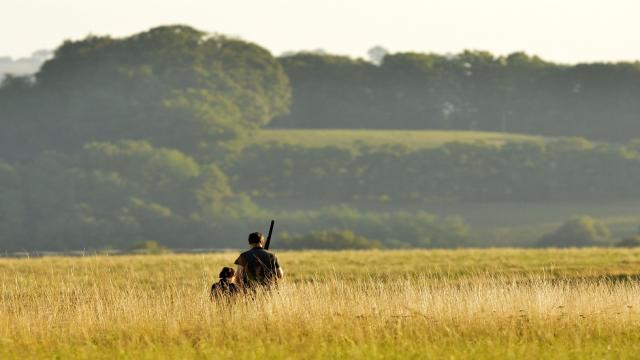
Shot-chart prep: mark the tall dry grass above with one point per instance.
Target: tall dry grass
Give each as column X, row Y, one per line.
column 101, row 307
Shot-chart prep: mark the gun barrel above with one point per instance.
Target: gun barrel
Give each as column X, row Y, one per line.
column 266, row 245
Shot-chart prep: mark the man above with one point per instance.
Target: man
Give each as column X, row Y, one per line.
column 257, row 266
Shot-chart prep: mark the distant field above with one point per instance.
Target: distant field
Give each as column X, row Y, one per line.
column 475, row 304
column 414, row 139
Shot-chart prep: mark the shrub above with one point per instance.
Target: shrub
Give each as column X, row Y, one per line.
column 633, row 241
column 329, row 240
column 577, row 232
column 149, row 247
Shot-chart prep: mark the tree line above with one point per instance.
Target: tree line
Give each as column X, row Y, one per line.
column 558, row 170
column 473, row 90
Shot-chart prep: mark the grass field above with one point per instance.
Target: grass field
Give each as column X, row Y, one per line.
column 481, row 304
column 414, row 139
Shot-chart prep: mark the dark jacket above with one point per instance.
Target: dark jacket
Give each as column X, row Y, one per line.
column 223, row 289
column 260, row 267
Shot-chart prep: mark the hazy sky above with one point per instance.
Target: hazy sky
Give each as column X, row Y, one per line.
column 560, row 30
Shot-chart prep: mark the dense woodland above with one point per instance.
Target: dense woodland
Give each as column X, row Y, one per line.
column 473, row 90
column 561, row 170
column 117, row 141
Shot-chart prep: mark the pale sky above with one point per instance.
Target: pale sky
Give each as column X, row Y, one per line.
column 566, row 31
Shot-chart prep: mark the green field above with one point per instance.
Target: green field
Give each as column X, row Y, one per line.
column 476, row 304
column 414, row 139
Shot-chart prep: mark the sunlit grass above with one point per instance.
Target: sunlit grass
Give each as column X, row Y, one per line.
column 371, row 304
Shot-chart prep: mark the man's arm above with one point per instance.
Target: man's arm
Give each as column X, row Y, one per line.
column 240, row 275
column 240, row 263
column 279, row 271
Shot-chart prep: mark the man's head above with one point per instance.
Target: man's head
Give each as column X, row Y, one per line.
column 256, row 239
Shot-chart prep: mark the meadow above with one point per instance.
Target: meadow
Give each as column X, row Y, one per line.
column 481, row 304
column 413, row 139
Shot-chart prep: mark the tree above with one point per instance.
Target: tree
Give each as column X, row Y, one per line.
column 577, row 232
column 109, row 195
column 329, row 91
column 630, row 242
column 11, row 205
column 377, row 54
column 160, row 175
column 329, row 240
column 149, row 247
column 147, row 86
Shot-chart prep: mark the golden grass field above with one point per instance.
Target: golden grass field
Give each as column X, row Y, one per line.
column 413, row 139
column 480, row 304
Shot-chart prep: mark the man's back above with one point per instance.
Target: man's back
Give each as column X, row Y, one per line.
column 260, row 266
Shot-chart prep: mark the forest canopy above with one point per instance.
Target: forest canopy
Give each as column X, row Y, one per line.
column 152, row 138
column 173, row 86
column 473, row 90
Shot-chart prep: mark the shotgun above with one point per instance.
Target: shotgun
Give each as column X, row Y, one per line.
column 266, row 245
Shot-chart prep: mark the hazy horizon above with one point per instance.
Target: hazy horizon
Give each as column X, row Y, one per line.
column 570, row 32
